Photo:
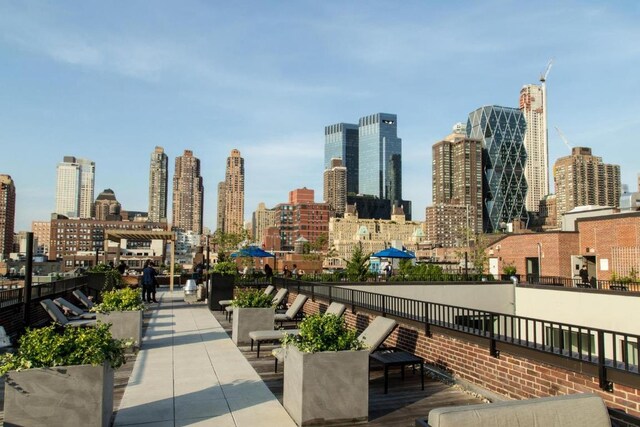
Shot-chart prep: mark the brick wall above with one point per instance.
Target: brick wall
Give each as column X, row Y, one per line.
column 510, row 375
column 604, row 234
column 556, row 250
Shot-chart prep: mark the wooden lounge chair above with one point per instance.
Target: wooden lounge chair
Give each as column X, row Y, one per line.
column 227, row 302
column 76, row 311
column 373, row 336
column 58, row 317
column 277, row 300
column 270, row 335
column 291, row 314
column 83, row 299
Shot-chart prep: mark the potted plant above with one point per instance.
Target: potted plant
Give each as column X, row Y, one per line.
column 123, row 309
column 326, row 373
column 253, row 310
column 223, row 276
column 64, row 376
column 104, row 278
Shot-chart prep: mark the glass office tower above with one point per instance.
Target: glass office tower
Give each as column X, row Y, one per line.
column 380, row 157
column 341, row 142
column 502, row 130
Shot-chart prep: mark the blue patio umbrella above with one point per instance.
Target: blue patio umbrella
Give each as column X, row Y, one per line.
column 393, row 253
column 252, row 252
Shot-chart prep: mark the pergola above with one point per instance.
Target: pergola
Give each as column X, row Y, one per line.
column 143, row 235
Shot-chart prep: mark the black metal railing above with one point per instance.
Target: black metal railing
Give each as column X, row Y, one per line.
column 40, row 291
column 608, row 350
column 576, row 282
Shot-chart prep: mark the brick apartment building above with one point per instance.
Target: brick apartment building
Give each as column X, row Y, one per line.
column 77, row 240
column 608, row 245
column 300, row 217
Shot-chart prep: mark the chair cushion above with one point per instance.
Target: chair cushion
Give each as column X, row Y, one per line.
column 567, row 411
column 377, row 332
column 272, row 335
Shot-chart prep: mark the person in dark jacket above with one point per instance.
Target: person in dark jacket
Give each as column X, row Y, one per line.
column 148, row 283
column 268, row 271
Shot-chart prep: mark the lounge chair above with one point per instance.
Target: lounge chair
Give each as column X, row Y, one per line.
column 83, row 299
column 58, row 317
column 373, row 336
column 276, row 301
column 270, row 335
column 73, row 309
column 291, row 314
column 227, row 302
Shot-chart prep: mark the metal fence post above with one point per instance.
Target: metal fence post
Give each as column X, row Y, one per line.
column 605, row 384
column 492, row 341
column 427, row 322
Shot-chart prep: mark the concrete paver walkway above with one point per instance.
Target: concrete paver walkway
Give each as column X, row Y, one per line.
column 189, row 372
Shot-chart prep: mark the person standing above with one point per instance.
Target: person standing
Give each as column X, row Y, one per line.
column 148, row 283
column 268, row 272
column 584, row 275
column 122, row 267
column 286, row 272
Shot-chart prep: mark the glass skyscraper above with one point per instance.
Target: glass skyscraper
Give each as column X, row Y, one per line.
column 341, row 142
column 502, row 130
column 380, row 157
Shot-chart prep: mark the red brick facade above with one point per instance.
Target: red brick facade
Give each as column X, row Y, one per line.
column 554, row 248
column 513, row 376
column 614, row 238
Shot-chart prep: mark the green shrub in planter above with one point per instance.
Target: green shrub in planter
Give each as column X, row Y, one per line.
column 226, row 268
column 252, row 298
column 324, row 333
column 47, row 348
column 125, row 299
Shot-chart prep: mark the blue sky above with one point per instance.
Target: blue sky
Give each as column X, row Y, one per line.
column 109, row 81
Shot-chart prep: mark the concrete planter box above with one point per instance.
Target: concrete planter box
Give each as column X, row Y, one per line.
column 71, row 395
column 246, row 320
column 326, row 388
column 125, row 325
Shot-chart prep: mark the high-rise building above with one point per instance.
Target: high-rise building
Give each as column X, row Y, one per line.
column 536, row 172
column 501, row 129
column 42, row 234
column 188, row 193
column 457, row 181
column 234, row 193
column 220, row 215
column 262, row 219
column 582, row 179
column 75, row 187
column 158, row 182
column 335, row 186
column 107, row 207
column 380, row 157
column 7, row 214
column 341, row 142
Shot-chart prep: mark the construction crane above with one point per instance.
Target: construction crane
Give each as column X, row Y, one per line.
column 564, row 138
column 543, row 76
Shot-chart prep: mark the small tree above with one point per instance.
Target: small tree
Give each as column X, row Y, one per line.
column 225, row 243
column 358, row 265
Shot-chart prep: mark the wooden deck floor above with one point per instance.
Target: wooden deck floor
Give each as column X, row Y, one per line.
column 404, row 402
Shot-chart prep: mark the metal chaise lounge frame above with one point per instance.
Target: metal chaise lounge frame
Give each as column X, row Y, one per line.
column 73, row 309
column 258, row 337
column 291, row 315
column 58, row 317
column 227, row 302
column 373, row 336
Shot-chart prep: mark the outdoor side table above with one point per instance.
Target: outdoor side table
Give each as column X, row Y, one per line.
column 393, row 357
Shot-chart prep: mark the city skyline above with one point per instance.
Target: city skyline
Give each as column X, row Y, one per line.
column 89, row 83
